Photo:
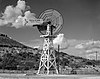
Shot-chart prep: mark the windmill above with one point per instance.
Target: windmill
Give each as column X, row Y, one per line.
column 92, row 51
column 49, row 24
column 93, row 48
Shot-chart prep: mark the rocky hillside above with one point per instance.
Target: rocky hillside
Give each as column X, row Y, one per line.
column 6, row 41
column 9, row 45
column 30, row 61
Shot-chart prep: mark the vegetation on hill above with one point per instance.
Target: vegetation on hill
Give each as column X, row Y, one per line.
column 26, row 60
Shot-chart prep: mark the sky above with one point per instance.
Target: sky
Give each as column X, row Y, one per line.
column 81, row 19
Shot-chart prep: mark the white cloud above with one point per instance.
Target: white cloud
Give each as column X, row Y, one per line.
column 11, row 13
column 3, row 22
column 19, row 22
column 29, row 15
column 60, row 40
column 21, row 5
column 91, row 56
column 17, row 15
column 79, row 46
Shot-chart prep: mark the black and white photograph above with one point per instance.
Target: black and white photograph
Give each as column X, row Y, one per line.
column 49, row 39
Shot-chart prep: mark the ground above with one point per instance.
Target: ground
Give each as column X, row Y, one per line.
column 24, row 76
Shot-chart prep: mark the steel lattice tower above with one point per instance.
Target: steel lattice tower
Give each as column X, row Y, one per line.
column 48, row 59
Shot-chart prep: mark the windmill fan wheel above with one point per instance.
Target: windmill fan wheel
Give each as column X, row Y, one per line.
column 52, row 16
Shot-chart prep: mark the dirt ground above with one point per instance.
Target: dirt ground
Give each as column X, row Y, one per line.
column 30, row 76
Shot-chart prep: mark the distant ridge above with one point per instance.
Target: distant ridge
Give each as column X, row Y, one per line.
column 6, row 41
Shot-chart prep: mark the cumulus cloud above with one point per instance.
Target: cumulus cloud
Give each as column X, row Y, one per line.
column 17, row 16
column 21, row 5
column 19, row 22
column 3, row 22
column 91, row 56
column 79, row 46
column 60, row 40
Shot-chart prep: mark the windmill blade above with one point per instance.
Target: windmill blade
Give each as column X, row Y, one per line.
column 54, row 17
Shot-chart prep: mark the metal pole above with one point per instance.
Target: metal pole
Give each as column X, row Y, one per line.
column 96, row 55
column 58, row 57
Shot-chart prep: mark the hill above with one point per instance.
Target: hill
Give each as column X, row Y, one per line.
column 9, row 45
column 17, row 56
column 29, row 61
column 6, row 41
